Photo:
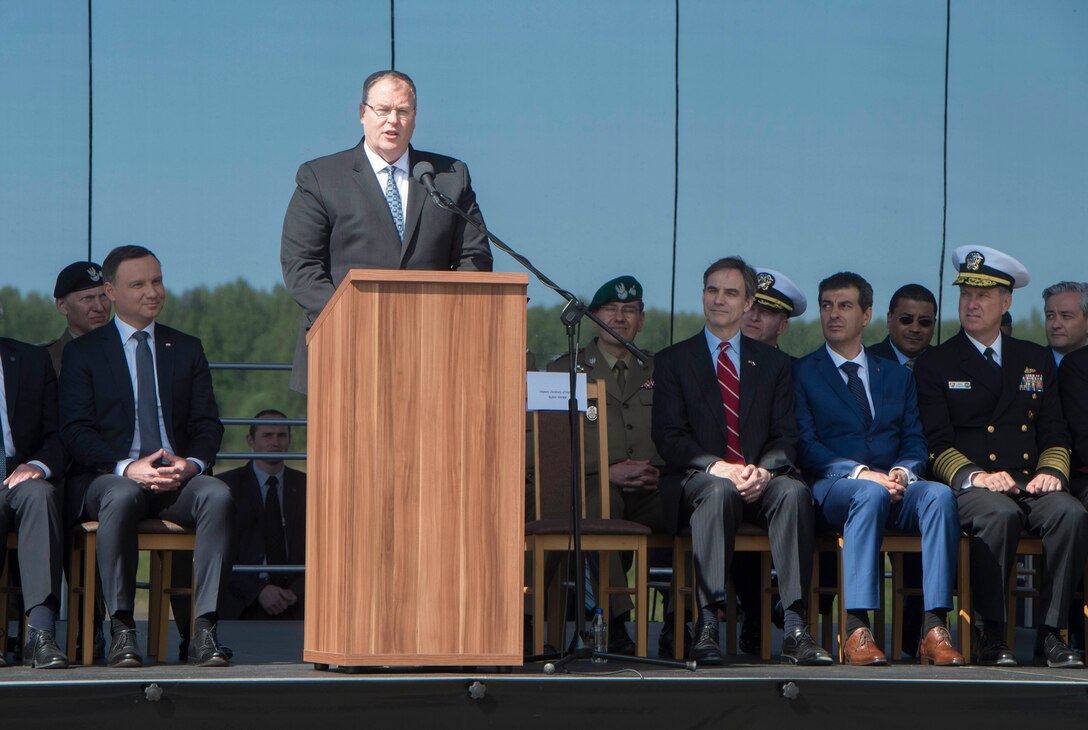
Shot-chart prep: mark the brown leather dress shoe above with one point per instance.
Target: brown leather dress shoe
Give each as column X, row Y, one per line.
column 861, row 649
column 936, row 648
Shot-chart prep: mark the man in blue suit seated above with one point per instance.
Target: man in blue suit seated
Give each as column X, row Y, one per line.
column 862, row 450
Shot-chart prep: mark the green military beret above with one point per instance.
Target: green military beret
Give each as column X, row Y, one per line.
column 621, row 289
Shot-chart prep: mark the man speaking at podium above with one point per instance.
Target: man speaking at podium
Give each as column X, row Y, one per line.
column 365, row 208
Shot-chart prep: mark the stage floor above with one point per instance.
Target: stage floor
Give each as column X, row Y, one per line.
column 271, row 687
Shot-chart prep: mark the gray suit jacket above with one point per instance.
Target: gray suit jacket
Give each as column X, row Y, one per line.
column 338, row 220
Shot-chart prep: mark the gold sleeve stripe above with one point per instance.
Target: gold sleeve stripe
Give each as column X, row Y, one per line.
column 1057, row 458
column 948, row 463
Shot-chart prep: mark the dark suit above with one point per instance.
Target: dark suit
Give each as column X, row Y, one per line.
column 835, row 441
column 689, row 429
column 338, row 220
column 30, row 391
column 884, row 350
column 98, row 417
column 979, row 420
column 240, row 600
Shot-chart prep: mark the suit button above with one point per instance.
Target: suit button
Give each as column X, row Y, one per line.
column 990, row 429
column 626, row 405
column 1034, row 396
column 1026, row 457
column 630, row 427
column 869, row 440
column 1024, row 428
column 993, row 457
column 629, row 451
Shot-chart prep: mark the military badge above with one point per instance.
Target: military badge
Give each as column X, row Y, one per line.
column 622, row 292
column 959, row 385
column 648, row 385
column 974, row 260
column 1031, row 382
column 94, row 274
column 764, row 281
column 591, row 413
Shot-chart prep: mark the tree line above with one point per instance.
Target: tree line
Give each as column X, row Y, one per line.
column 240, row 323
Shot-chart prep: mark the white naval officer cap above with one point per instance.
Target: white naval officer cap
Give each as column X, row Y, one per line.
column 776, row 291
column 985, row 267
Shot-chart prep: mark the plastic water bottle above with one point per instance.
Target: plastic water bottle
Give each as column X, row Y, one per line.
column 600, row 636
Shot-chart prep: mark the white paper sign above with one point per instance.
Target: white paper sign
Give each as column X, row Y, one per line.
column 550, row 391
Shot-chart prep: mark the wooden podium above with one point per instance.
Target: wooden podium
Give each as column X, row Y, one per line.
column 415, row 514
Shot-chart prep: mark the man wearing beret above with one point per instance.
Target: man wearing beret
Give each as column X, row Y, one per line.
column 633, row 463
column 80, row 296
column 991, row 412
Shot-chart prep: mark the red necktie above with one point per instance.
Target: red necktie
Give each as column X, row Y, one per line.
column 730, row 387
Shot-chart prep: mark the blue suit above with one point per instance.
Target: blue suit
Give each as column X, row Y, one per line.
column 835, row 441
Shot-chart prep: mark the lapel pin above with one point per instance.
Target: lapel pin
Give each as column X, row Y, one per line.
column 752, row 363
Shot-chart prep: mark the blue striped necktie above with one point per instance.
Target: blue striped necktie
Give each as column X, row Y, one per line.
column 392, row 197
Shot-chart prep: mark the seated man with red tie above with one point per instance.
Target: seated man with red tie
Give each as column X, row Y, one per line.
column 269, row 528
column 863, row 451
column 723, row 421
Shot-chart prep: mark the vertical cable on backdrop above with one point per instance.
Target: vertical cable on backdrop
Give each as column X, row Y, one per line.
column 392, row 35
column 944, row 155
column 90, row 128
column 675, row 168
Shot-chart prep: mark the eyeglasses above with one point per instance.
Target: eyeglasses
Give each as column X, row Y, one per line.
column 908, row 319
column 384, row 112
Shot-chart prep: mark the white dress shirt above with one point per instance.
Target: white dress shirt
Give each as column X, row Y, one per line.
column 400, row 173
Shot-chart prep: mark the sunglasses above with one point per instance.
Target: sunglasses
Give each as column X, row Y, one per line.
column 908, row 319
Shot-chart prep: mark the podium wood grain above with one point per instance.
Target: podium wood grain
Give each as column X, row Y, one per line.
column 416, row 465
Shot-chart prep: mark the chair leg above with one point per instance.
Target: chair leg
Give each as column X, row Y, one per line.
column 163, row 594
column 897, row 605
column 74, row 597
column 642, row 600
column 842, row 605
column 154, row 604
column 679, row 579
column 731, row 616
column 538, row 600
column 966, row 617
column 604, row 584
column 765, row 590
column 878, row 614
column 90, row 579
column 1010, row 603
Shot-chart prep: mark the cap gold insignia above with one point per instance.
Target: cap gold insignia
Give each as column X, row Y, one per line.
column 974, row 260
column 764, row 281
column 591, row 413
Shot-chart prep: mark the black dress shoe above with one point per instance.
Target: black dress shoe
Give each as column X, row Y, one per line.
column 798, row 647
column 666, row 642
column 4, row 650
column 751, row 635
column 707, row 647
column 619, row 641
column 98, row 649
column 41, row 650
column 992, row 653
column 205, row 651
column 1052, row 651
column 124, row 651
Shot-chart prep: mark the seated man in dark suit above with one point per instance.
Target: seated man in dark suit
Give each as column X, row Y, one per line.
column 862, row 450
column 32, row 466
column 269, row 528
column 139, row 417
column 723, row 421
column 992, row 415
column 912, row 318
column 1073, row 378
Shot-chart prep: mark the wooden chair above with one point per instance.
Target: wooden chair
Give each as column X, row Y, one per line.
column 162, row 539
column 549, row 532
column 749, row 539
column 1031, row 545
column 896, row 544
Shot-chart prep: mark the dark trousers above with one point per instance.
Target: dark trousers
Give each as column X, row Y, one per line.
column 32, row 509
column 714, row 510
column 118, row 503
column 995, row 521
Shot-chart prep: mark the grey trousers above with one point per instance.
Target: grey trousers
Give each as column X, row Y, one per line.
column 32, row 509
column 118, row 504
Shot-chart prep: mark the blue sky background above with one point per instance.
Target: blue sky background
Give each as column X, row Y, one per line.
column 810, row 132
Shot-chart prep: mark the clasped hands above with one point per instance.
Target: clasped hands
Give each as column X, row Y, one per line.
column 749, row 479
column 894, row 481
column 1002, row 482
column 634, row 475
column 169, row 477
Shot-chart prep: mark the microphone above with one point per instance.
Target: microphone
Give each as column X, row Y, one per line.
column 423, row 172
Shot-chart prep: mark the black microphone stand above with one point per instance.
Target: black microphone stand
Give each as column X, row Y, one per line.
column 571, row 315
